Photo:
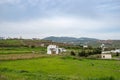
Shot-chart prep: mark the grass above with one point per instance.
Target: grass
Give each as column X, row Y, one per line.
column 11, row 42
column 16, row 46
column 15, row 64
column 21, row 50
column 60, row 68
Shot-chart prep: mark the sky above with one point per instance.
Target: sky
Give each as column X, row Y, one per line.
column 72, row 18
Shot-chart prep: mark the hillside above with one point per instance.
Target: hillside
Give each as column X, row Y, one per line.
column 60, row 41
column 84, row 40
column 70, row 39
column 28, row 43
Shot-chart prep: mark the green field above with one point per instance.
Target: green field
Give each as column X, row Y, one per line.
column 21, row 50
column 27, row 60
column 60, row 68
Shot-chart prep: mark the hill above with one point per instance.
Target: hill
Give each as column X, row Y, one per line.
column 84, row 40
column 28, row 43
column 70, row 39
column 60, row 41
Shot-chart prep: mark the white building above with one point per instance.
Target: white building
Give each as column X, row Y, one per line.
column 85, row 46
column 115, row 51
column 53, row 49
column 106, row 56
column 62, row 50
column 103, row 47
column 103, row 52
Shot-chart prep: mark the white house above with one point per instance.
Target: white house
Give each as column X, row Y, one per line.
column 85, row 46
column 106, row 56
column 115, row 51
column 103, row 47
column 53, row 49
column 62, row 50
column 103, row 52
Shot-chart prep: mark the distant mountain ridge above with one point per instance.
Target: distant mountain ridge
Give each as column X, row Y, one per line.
column 70, row 39
column 84, row 40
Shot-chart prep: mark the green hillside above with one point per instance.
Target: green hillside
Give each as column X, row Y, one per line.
column 84, row 40
column 21, row 46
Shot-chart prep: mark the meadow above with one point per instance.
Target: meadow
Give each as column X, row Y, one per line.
column 54, row 67
column 21, row 50
column 27, row 60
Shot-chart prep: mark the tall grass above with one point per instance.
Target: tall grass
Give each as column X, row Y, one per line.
column 60, row 68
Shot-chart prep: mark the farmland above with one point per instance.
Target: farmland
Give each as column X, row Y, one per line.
column 59, row 68
column 19, row 61
column 21, row 50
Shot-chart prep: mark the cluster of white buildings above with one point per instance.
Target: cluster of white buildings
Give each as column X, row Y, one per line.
column 107, row 54
column 53, row 49
column 115, row 51
column 112, row 51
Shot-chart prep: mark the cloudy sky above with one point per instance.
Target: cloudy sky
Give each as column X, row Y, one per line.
column 76, row 18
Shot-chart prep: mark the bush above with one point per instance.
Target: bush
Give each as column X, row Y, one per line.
column 97, row 50
column 103, row 78
column 82, row 53
column 117, row 54
column 72, row 53
column 88, row 52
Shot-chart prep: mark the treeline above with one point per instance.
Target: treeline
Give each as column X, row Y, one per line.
column 86, row 52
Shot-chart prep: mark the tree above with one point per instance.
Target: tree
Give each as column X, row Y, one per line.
column 82, row 53
column 72, row 53
column 117, row 54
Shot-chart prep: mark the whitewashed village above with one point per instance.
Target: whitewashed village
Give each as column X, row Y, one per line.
column 30, row 59
column 54, row 49
column 102, row 51
column 108, row 54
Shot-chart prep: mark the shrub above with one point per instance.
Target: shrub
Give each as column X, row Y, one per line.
column 97, row 51
column 103, row 78
column 117, row 54
column 72, row 53
column 82, row 53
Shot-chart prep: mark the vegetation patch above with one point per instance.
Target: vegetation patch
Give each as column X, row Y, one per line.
column 60, row 68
